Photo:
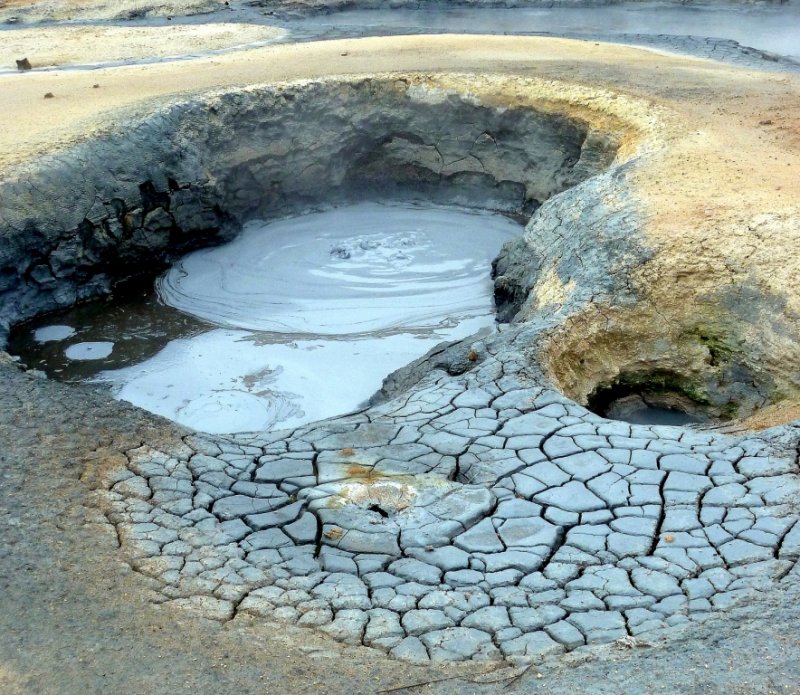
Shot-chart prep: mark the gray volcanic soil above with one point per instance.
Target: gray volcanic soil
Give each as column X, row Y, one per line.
column 760, row 36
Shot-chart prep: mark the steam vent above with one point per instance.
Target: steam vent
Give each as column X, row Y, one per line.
column 362, row 347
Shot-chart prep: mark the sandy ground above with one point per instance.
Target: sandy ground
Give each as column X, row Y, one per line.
column 31, row 125
column 89, row 45
column 73, row 621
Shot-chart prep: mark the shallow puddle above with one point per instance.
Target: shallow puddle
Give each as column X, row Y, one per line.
column 293, row 321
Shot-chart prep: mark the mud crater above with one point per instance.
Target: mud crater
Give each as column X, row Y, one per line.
column 260, row 154
column 473, row 512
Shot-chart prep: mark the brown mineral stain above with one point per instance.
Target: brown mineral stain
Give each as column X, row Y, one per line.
column 100, row 465
column 334, row 533
column 772, row 416
column 356, row 470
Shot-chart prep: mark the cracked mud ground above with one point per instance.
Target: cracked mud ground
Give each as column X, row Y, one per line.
column 471, row 518
column 77, row 621
column 650, row 559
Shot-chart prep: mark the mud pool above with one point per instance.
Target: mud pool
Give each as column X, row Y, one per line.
column 293, row 321
column 762, row 28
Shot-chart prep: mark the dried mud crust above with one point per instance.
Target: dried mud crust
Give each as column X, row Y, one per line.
column 476, row 513
column 480, row 517
column 75, row 619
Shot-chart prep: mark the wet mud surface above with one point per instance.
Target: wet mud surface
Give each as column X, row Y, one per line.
column 763, row 38
column 292, row 322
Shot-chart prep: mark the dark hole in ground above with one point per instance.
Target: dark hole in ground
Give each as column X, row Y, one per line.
column 636, row 410
column 652, row 398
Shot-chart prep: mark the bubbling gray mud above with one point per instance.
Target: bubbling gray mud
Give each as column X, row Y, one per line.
column 359, row 269
column 314, row 312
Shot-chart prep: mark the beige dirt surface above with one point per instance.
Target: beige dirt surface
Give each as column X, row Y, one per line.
column 31, row 126
column 91, row 45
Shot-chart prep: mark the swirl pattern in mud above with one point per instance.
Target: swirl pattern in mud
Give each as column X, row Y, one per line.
column 359, row 269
